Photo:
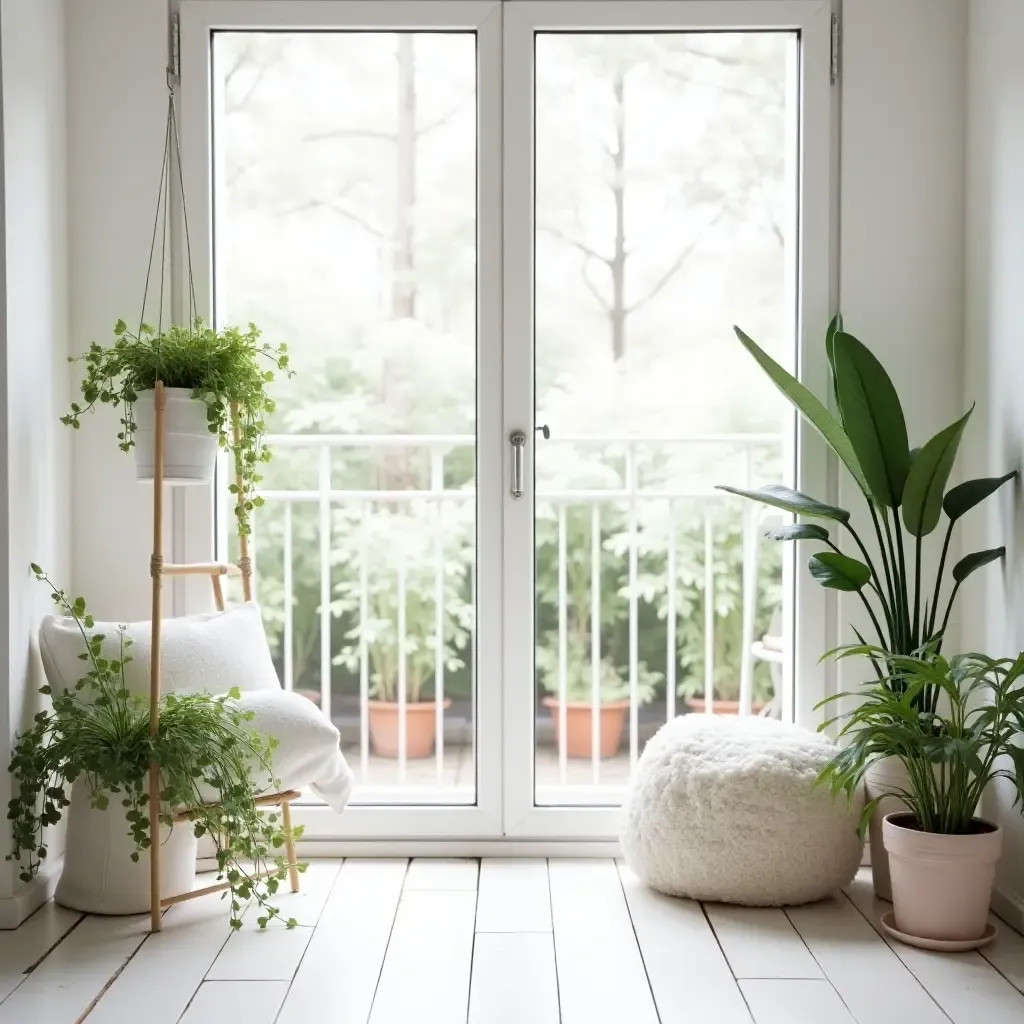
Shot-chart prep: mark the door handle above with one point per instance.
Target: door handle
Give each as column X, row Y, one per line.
column 518, row 441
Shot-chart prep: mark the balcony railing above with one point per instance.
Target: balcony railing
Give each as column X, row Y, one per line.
column 629, row 501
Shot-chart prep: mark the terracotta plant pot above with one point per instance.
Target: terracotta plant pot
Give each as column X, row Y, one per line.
column 884, row 775
column 722, row 707
column 610, row 719
column 420, row 722
column 941, row 885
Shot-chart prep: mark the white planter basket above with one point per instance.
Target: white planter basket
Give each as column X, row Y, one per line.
column 99, row 874
column 190, row 450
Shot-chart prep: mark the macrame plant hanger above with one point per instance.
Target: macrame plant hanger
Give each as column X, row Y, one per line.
column 158, row 568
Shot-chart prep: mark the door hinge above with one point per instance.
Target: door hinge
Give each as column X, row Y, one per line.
column 834, row 75
column 173, row 52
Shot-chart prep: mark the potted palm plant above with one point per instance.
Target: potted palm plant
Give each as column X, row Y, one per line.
column 953, row 725
column 206, row 374
column 905, row 493
column 97, row 735
column 613, row 694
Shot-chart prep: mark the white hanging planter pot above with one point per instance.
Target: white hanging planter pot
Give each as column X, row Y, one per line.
column 190, row 449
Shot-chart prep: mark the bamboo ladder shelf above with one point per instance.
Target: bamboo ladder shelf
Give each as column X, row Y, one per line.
column 158, row 569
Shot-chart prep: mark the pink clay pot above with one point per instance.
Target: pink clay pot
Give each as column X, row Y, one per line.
column 941, row 884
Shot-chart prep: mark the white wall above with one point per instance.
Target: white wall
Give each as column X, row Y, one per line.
column 901, row 216
column 34, row 469
column 994, row 349
column 117, row 108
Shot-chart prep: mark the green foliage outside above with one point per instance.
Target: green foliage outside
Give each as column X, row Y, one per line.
column 349, row 221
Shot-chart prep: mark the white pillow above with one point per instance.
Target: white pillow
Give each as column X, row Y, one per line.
column 209, row 653
column 307, row 754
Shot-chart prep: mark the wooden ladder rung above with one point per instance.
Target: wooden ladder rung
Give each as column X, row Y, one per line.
column 265, row 800
column 169, row 901
column 200, row 569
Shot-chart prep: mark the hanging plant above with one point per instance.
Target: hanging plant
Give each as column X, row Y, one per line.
column 100, row 731
column 225, row 370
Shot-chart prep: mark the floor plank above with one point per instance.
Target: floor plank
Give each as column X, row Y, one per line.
column 514, row 896
column 63, row 986
column 343, row 959
column 35, row 936
column 435, row 873
column 688, row 973
column 601, row 977
column 761, row 942
column 1006, row 954
column 867, row 974
column 794, row 1001
column 218, row 1002
column 273, row 953
column 514, row 979
column 426, row 971
column 173, row 963
column 965, row 985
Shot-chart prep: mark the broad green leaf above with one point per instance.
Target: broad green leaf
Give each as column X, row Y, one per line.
column 969, row 563
column 797, row 531
column 873, row 419
column 809, row 407
column 922, row 495
column 834, row 327
column 838, row 572
column 866, row 814
column 790, row 501
column 965, row 496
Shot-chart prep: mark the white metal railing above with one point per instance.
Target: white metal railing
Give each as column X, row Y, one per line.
column 632, row 495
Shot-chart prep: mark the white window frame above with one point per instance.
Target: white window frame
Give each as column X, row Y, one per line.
column 198, row 19
column 505, row 699
column 524, row 18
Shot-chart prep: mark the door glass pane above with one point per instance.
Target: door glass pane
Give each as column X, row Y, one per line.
column 345, row 225
column 665, row 197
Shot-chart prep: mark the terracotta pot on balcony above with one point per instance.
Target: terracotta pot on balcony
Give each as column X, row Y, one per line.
column 722, row 707
column 420, row 724
column 577, row 739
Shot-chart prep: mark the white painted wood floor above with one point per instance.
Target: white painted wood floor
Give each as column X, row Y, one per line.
column 499, row 942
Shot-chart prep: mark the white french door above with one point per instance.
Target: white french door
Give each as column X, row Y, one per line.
column 506, row 242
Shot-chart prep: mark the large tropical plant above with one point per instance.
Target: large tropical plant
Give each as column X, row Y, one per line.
column 905, row 491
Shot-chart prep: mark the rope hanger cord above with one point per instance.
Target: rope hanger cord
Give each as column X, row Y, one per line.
column 163, row 195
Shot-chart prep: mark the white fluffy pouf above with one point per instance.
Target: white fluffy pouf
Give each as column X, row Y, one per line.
column 723, row 809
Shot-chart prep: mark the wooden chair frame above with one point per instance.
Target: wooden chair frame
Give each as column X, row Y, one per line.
column 158, row 569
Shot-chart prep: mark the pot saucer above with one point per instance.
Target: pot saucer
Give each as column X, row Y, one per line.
column 888, row 922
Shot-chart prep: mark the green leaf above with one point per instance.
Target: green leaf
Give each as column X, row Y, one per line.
column 965, row 496
column 922, row 495
column 838, row 572
column 797, row 531
column 969, row 563
column 834, row 327
column 120, row 327
column 789, row 500
column 809, row 407
column 873, row 419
